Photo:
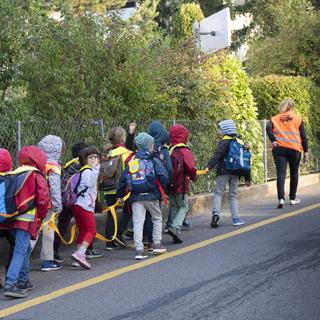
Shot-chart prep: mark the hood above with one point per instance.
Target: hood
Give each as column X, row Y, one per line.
column 33, row 156
column 144, row 154
column 178, row 134
column 159, row 133
column 5, row 160
column 52, row 146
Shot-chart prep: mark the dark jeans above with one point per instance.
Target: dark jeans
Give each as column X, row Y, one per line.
column 283, row 156
column 123, row 222
column 10, row 238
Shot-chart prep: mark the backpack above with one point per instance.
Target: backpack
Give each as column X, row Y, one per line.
column 177, row 161
column 10, row 185
column 70, row 192
column 110, row 172
column 69, row 170
column 238, row 159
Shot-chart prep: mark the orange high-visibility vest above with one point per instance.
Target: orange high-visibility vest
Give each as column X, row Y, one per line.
column 286, row 130
column 52, row 167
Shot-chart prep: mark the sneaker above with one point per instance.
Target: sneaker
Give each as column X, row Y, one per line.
column 25, row 285
column 128, row 235
column 175, row 234
column 214, row 222
column 75, row 264
column 281, row 203
column 150, row 247
column 81, row 259
column 57, row 258
column 50, row 266
column 295, row 201
column 186, row 225
column 140, row 255
column 120, row 242
column 13, row 291
column 111, row 246
column 237, row 222
column 93, row 254
column 158, row 249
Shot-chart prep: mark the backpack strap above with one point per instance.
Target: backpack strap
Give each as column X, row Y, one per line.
column 179, row 145
column 81, row 193
column 69, row 163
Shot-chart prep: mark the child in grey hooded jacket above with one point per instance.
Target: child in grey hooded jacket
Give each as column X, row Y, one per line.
column 52, row 146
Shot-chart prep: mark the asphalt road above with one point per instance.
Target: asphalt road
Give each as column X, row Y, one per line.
column 268, row 271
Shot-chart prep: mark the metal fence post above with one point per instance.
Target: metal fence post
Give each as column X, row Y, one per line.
column 265, row 159
column 101, row 127
column 18, row 142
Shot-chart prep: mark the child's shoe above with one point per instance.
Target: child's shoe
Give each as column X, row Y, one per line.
column 75, row 264
column 111, row 246
column 186, row 225
column 25, row 285
column 140, row 255
column 237, row 222
column 49, row 265
column 295, row 201
column 93, row 254
column 81, row 259
column 175, row 234
column 13, row 291
column 120, row 242
column 214, row 222
column 158, row 249
column 58, row 258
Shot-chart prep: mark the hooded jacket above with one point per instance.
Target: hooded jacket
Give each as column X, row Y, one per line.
column 5, row 160
column 35, row 185
column 161, row 137
column 52, row 146
column 180, row 134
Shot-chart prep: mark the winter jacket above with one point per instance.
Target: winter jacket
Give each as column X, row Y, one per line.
column 180, row 135
column 88, row 186
column 35, row 185
column 217, row 159
column 161, row 137
column 52, row 146
column 148, row 190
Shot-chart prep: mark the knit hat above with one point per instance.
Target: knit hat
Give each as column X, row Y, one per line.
column 228, row 127
column 143, row 140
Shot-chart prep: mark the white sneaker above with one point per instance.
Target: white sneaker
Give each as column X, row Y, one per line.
column 294, row 202
column 281, row 203
column 75, row 264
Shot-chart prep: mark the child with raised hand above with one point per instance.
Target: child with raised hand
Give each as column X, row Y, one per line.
column 83, row 209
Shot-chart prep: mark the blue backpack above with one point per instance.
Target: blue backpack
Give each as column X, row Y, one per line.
column 10, row 185
column 238, row 158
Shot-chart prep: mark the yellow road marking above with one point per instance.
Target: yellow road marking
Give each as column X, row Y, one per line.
column 90, row 282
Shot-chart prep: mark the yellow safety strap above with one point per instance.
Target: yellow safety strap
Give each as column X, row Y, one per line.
column 74, row 160
column 176, row 146
column 201, row 172
column 51, row 224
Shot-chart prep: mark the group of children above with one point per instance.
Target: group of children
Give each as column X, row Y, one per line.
column 148, row 167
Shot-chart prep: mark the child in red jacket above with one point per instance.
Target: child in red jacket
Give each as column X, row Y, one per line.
column 25, row 226
column 183, row 167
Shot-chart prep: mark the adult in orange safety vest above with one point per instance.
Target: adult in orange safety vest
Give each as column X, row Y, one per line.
column 288, row 137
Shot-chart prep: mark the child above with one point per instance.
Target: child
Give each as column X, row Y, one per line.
column 24, row 227
column 143, row 178
column 64, row 218
column 161, row 152
column 228, row 132
column 83, row 209
column 183, row 165
column 52, row 146
column 116, row 148
column 6, row 166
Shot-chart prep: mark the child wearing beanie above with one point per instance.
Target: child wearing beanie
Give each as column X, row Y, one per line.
column 228, row 133
column 145, row 177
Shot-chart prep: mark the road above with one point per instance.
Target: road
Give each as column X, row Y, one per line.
column 267, row 269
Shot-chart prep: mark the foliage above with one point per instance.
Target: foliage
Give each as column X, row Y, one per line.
column 270, row 90
column 188, row 14
column 286, row 41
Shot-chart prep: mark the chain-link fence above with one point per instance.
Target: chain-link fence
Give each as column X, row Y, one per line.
column 203, row 140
